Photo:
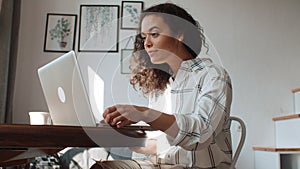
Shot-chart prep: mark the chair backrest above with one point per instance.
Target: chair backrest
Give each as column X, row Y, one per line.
column 241, row 142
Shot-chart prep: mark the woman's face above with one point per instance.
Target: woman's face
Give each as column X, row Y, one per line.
column 159, row 42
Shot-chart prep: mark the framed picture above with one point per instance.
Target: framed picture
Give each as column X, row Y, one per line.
column 131, row 11
column 60, row 32
column 99, row 28
column 125, row 60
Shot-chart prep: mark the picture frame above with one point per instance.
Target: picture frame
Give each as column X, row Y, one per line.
column 99, row 28
column 125, row 60
column 60, row 32
column 130, row 15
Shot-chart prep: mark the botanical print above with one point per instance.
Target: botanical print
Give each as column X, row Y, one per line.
column 60, row 32
column 130, row 14
column 99, row 28
column 133, row 11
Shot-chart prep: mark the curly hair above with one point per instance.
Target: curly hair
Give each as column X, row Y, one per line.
column 153, row 78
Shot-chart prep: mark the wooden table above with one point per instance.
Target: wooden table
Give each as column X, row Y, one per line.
column 18, row 143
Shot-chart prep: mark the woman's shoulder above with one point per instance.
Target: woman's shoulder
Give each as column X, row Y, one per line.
column 206, row 65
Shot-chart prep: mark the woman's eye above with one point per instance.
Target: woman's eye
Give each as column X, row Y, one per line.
column 154, row 34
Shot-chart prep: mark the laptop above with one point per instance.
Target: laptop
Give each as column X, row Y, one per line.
column 66, row 95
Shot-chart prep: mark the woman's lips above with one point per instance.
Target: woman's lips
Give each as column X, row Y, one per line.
column 151, row 52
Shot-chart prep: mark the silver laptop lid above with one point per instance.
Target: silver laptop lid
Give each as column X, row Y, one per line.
column 65, row 92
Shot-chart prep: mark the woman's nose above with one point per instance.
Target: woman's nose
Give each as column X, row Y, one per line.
column 147, row 42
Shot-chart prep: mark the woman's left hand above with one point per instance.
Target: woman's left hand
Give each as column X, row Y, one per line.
column 122, row 115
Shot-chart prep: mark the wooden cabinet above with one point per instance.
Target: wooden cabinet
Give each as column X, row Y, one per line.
column 276, row 158
column 286, row 153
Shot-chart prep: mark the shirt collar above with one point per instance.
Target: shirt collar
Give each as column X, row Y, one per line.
column 195, row 64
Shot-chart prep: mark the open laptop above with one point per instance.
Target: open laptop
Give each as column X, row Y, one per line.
column 66, row 94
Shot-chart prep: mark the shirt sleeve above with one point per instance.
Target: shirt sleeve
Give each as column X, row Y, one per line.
column 160, row 103
column 199, row 128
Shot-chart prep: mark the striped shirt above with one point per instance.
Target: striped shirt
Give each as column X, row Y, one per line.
column 201, row 96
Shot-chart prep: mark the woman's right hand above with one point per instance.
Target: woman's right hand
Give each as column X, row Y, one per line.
column 122, row 115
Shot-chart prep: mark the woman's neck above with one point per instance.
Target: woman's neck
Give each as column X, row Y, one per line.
column 176, row 61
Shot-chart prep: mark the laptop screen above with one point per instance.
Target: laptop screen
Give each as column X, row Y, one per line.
column 65, row 92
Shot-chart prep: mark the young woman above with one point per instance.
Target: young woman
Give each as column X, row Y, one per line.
column 167, row 54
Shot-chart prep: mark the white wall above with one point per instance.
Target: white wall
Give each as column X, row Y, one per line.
column 29, row 96
column 258, row 42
